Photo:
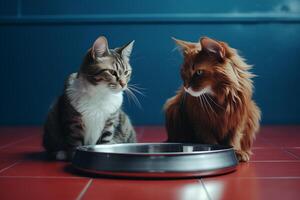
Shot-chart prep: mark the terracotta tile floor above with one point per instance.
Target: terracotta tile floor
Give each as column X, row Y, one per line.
column 272, row 173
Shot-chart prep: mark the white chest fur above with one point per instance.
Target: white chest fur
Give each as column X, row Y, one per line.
column 95, row 103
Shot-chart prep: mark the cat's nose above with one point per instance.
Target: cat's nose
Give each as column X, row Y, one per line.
column 122, row 83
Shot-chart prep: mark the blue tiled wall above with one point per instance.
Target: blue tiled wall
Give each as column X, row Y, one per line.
column 43, row 41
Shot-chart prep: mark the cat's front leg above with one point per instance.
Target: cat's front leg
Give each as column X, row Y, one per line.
column 74, row 137
column 118, row 129
column 107, row 133
column 248, row 136
column 243, row 154
column 106, row 136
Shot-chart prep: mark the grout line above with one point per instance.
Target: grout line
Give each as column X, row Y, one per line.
column 275, row 161
column 273, row 145
column 265, row 147
column 44, row 177
column 271, row 178
column 13, row 143
column 86, row 187
column 270, row 147
column 64, row 177
column 280, row 177
column 205, row 189
column 10, row 166
column 292, row 154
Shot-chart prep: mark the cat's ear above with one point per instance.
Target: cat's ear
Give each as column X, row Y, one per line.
column 213, row 46
column 126, row 50
column 100, row 47
column 187, row 47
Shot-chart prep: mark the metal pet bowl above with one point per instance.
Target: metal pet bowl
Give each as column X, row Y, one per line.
column 156, row 159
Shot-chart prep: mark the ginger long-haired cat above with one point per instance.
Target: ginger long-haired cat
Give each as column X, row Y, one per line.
column 215, row 104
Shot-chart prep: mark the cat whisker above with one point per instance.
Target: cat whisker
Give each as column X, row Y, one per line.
column 133, row 97
column 211, row 108
column 127, row 96
column 204, row 103
column 201, row 102
column 199, row 99
column 135, row 90
column 175, row 48
column 215, row 102
column 136, row 86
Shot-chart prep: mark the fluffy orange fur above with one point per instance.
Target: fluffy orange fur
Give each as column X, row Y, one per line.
column 220, row 108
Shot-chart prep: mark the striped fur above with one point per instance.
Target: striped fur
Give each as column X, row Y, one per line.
column 89, row 111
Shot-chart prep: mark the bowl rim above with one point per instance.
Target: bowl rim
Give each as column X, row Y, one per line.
column 87, row 149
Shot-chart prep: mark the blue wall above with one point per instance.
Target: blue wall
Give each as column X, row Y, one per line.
column 43, row 41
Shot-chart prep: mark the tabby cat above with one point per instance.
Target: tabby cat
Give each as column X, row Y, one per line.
column 89, row 110
column 214, row 105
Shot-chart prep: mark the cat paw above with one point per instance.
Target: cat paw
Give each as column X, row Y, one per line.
column 64, row 155
column 243, row 156
column 61, row 155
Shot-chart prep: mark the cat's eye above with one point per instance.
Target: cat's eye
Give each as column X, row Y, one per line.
column 199, row 72
column 126, row 72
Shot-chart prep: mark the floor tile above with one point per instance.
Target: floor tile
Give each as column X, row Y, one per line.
column 276, row 131
column 261, row 142
column 40, row 168
column 271, row 154
column 6, row 164
column 22, row 153
column 146, row 190
column 11, row 136
column 285, row 142
column 294, row 151
column 267, row 169
column 273, row 173
column 282, row 136
column 35, row 141
column 250, row 189
column 38, row 188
